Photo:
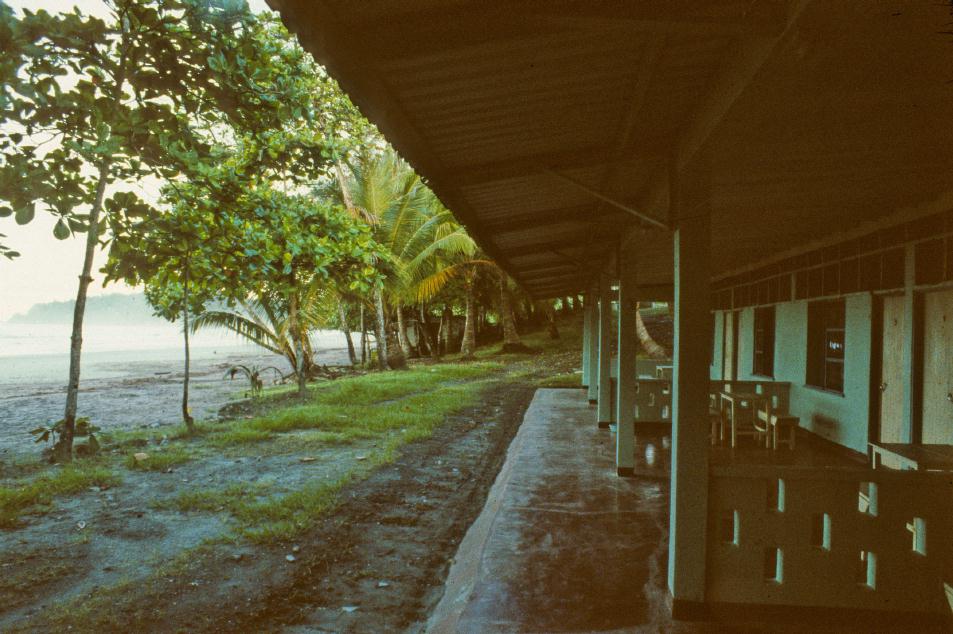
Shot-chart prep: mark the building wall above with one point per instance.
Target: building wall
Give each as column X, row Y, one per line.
column 714, row 370
column 840, row 418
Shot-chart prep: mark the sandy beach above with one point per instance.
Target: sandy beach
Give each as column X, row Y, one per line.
column 140, row 385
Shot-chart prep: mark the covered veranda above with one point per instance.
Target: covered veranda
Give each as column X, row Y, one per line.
column 660, row 148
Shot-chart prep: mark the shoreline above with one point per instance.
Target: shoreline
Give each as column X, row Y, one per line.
column 125, row 390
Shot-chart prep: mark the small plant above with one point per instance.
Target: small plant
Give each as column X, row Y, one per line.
column 83, row 429
column 254, row 376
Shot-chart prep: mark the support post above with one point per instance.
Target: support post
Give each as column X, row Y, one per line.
column 911, row 375
column 690, row 387
column 604, row 394
column 627, row 350
column 592, row 310
column 586, row 334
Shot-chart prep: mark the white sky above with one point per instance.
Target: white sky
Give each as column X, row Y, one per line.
column 48, row 269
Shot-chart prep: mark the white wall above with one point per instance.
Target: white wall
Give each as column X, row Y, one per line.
column 840, row 418
column 714, row 371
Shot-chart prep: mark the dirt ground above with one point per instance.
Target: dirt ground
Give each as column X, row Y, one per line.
column 113, row 559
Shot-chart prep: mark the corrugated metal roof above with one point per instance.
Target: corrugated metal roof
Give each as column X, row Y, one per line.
column 812, row 117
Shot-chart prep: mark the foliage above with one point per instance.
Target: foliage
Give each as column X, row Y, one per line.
column 83, row 429
column 253, row 375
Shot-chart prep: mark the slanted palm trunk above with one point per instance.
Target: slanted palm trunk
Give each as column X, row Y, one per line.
column 468, row 346
column 186, row 414
column 346, row 329
column 63, row 452
column 651, row 348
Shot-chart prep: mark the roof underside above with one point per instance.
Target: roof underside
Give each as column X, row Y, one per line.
column 545, row 124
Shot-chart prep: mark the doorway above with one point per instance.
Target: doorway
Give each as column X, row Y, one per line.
column 937, row 398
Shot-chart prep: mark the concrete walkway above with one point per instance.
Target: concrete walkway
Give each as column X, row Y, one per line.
column 563, row 544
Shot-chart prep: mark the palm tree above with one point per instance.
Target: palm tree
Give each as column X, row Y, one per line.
column 267, row 322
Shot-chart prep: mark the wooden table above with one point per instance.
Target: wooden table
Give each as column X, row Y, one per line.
column 755, row 402
column 905, row 457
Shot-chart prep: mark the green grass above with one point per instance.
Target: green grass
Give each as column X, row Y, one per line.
column 25, row 495
column 239, row 436
column 159, row 460
column 327, row 422
column 231, row 498
column 280, row 518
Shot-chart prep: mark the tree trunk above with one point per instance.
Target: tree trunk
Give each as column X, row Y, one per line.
column 186, row 414
column 395, row 354
column 511, row 338
column 551, row 321
column 63, row 451
column 363, row 337
column 468, row 346
column 651, row 348
column 443, row 333
column 346, row 329
column 402, row 340
column 298, row 348
column 381, row 329
column 425, row 327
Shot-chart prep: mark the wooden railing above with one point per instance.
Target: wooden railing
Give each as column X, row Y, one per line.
column 830, row 537
column 653, row 398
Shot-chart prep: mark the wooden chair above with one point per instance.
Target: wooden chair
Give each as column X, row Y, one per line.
column 783, row 427
column 751, row 425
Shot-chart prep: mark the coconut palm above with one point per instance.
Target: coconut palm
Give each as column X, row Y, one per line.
column 266, row 322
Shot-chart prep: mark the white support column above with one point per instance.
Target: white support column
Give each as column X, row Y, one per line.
column 586, row 334
column 604, row 394
column 911, row 375
column 592, row 312
column 690, row 387
column 627, row 350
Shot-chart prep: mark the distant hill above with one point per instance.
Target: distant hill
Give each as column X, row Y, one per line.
column 105, row 309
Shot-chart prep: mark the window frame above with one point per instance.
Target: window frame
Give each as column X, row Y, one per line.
column 826, row 345
column 763, row 348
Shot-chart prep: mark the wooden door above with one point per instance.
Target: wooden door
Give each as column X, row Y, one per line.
column 891, row 371
column 729, row 366
column 938, row 368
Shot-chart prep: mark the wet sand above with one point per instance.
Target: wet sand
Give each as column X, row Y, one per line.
column 125, row 390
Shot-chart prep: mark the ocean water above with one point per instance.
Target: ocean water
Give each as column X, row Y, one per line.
column 31, row 353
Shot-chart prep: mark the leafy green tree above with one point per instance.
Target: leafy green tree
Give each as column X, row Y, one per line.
column 179, row 256
column 92, row 106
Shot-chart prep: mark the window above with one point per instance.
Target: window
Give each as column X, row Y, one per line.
column 825, row 345
column 764, row 341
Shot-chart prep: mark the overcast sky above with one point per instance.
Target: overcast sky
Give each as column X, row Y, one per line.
column 48, row 268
